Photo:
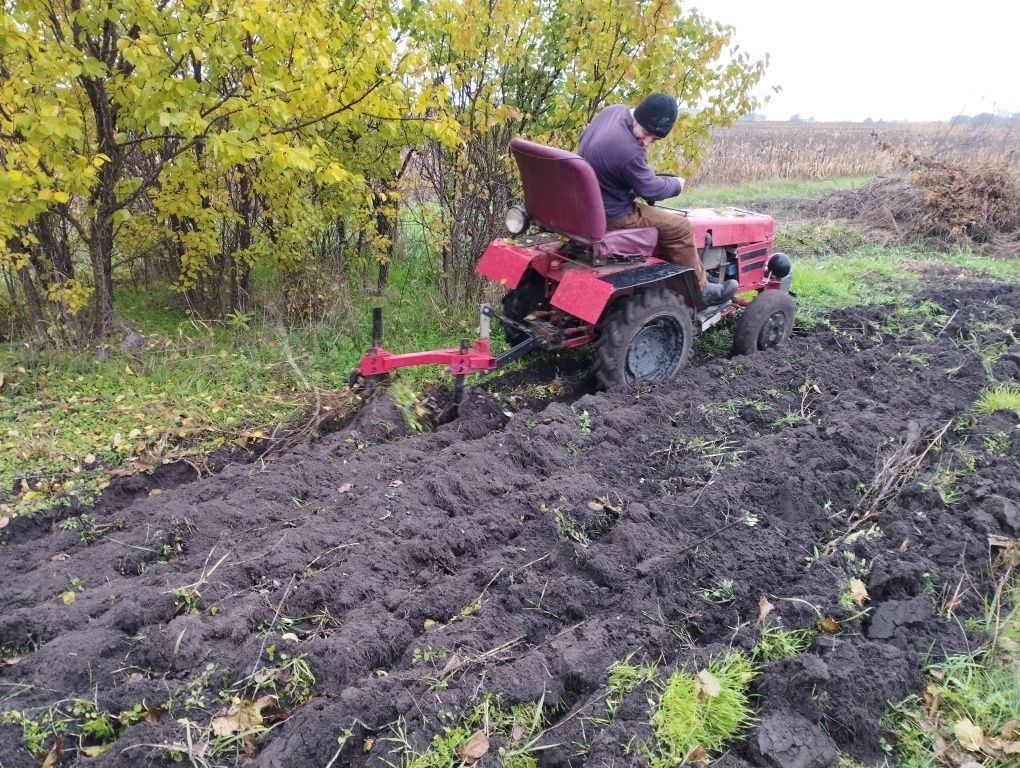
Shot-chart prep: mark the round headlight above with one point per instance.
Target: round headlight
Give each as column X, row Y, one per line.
column 516, row 219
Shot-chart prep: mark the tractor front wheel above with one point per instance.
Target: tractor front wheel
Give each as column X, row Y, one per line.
column 646, row 337
column 765, row 323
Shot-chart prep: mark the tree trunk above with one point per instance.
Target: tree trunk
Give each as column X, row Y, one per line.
column 104, row 202
column 101, row 256
column 385, row 226
column 32, row 303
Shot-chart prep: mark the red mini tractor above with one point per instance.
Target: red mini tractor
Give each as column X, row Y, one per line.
column 571, row 283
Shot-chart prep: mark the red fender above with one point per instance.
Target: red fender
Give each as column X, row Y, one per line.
column 506, row 263
column 585, row 293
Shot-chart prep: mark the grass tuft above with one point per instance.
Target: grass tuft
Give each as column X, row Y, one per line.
column 1005, row 397
column 970, row 700
column 697, row 714
column 776, row 643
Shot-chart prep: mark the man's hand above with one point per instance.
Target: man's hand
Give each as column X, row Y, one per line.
column 681, row 179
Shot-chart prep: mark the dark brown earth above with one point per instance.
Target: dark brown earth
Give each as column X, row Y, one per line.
column 538, row 552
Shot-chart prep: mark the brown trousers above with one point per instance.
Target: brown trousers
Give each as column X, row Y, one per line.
column 676, row 236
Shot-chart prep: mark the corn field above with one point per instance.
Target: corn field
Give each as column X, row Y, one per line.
column 757, row 151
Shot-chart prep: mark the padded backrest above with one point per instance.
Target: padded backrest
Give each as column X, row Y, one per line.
column 561, row 191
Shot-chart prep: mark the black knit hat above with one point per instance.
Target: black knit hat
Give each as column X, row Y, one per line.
column 656, row 113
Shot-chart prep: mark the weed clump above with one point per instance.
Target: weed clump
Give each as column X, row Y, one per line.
column 960, row 202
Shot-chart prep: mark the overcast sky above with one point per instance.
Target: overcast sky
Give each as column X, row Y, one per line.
column 883, row 59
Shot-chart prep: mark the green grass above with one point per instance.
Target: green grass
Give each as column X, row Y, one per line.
column 871, row 275
column 70, row 420
column 741, row 194
column 975, row 696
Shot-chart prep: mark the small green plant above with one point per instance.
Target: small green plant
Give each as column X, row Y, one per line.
column 721, row 592
column 943, row 482
column 570, row 529
column 91, row 728
column 734, row 370
column 775, row 643
column 914, row 358
column 987, row 355
column 584, row 422
column 788, row 419
column 715, row 451
column 696, row 714
column 623, row 678
column 997, row 444
column 427, row 655
column 185, row 600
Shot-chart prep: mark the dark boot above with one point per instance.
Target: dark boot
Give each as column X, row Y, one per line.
column 719, row 293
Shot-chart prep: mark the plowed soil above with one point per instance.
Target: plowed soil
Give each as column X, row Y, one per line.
column 519, row 553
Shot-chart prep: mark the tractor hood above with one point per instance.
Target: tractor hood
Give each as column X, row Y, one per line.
column 729, row 226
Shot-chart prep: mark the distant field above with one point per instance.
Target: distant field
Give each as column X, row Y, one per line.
column 755, row 151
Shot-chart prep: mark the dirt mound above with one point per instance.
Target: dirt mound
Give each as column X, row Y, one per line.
column 940, row 202
column 518, row 558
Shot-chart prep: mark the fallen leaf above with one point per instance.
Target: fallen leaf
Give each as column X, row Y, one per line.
column 60, row 556
column 4, row 521
column 697, row 755
column 155, row 492
column 429, row 623
column 367, row 744
column 858, row 592
column 1010, row 555
column 1010, row 729
column 96, row 751
column 1011, row 747
column 396, row 483
column 53, row 753
column 706, row 685
column 345, row 488
column 472, row 749
column 970, row 736
column 289, row 636
column 10, row 661
column 905, row 545
column 225, row 724
column 517, row 732
column 764, row 608
column 595, row 506
column 829, row 626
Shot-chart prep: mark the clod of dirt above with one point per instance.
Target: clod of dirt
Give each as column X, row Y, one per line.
column 788, row 740
column 895, row 619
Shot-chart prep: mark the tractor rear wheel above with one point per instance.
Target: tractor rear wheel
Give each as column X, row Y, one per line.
column 646, row 337
column 519, row 302
column 765, row 323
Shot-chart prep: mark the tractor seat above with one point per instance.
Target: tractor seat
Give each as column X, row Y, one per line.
column 561, row 195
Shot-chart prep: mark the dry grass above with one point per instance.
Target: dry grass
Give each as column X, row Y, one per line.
column 757, row 151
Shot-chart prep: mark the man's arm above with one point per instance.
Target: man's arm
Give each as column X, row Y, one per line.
column 646, row 184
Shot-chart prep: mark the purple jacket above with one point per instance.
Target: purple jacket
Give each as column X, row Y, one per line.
column 620, row 163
